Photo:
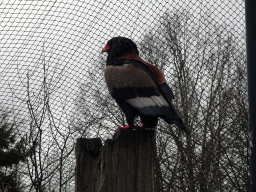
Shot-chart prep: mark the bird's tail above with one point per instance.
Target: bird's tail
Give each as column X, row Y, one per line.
column 172, row 117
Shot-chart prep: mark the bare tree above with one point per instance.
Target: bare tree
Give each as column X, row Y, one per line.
column 210, row 88
column 50, row 137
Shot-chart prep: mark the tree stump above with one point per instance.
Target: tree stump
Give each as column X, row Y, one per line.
column 126, row 164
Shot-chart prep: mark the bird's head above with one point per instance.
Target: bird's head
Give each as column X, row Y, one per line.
column 120, row 46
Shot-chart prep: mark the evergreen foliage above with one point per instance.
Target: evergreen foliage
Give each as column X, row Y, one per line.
column 12, row 151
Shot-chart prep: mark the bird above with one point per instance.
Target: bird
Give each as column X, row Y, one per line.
column 139, row 88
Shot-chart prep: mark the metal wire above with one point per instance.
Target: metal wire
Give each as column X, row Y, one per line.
column 52, row 86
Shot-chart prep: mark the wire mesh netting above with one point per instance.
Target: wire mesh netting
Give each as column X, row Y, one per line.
column 53, row 89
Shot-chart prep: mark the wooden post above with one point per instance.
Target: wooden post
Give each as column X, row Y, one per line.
column 126, row 164
column 87, row 173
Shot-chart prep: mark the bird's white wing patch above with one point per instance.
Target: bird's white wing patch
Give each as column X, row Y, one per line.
column 141, row 102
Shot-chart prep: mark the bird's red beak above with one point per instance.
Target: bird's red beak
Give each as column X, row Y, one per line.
column 106, row 48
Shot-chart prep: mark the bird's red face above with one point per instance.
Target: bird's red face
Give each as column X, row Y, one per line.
column 106, row 48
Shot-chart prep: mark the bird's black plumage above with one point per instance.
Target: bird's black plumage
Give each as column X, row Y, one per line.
column 138, row 87
column 120, row 46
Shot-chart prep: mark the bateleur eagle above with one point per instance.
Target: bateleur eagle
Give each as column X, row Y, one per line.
column 138, row 87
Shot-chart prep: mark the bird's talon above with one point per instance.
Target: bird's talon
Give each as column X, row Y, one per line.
column 129, row 127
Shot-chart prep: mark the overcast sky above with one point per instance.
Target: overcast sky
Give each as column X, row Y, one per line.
column 70, row 37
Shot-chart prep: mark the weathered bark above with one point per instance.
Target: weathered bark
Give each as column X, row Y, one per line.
column 127, row 162
column 88, row 160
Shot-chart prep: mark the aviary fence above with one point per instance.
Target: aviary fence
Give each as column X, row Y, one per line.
column 52, row 88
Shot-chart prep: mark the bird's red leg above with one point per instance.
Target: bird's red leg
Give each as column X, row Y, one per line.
column 129, row 126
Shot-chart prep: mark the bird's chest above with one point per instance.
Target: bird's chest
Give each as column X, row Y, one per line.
column 126, row 76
